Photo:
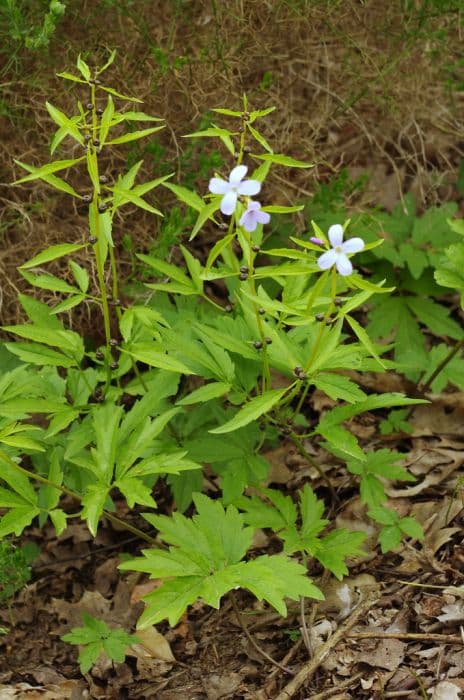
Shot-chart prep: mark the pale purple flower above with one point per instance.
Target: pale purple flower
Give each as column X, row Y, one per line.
column 254, row 216
column 316, row 240
column 231, row 189
column 337, row 255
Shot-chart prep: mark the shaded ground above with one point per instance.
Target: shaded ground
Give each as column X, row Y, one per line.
column 373, row 87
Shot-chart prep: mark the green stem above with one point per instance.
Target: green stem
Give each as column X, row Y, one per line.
column 454, row 351
column 304, row 453
column 43, row 480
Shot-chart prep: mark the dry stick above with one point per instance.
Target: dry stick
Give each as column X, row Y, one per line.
column 411, row 636
column 311, row 667
column 326, row 694
column 254, row 644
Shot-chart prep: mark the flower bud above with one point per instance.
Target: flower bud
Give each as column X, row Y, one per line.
column 89, row 105
column 268, row 341
column 255, row 248
column 114, row 365
column 102, row 207
column 228, row 308
column 319, row 317
column 243, row 276
column 261, row 311
column 87, row 198
column 257, row 344
column 113, row 342
column 223, row 226
column 99, row 355
column 92, row 240
column 103, row 179
column 244, row 268
column 99, row 111
column 338, row 301
column 96, row 142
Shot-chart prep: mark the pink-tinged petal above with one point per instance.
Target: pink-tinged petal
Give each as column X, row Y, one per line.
column 316, row 240
column 263, row 217
column 253, row 206
column 327, row 259
column 218, row 186
column 249, row 187
column 344, row 265
column 237, row 174
column 353, row 245
column 228, row 203
column 335, row 235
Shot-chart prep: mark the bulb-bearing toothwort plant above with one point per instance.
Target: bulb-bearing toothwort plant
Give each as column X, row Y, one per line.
column 118, row 418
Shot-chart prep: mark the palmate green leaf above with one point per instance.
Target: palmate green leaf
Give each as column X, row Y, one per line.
column 204, row 560
column 134, row 135
column 435, row 317
column 17, row 480
column 52, row 180
column 9, row 499
column 48, row 169
column 336, row 547
column 372, row 491
column 51, row 253
column 251, row 411
column 17, row 519
column 389, row 538
column 59, row 520
column 135, row 491
column 260, row 514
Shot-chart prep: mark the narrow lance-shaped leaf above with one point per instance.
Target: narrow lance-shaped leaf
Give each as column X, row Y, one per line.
column 52, row 253
column 251, row 411
column 47, row 169
column 52, row 180
column 133, row 136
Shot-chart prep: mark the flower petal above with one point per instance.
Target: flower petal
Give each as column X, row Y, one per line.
column 229, row 202
column 328, row 259
column 249, row 187
column 335, row 235
column 218, row 186
column 237, row 174
column 353, row 245
column 253, row 206
column 344, row 265
column 263, row 217
column 249, row 223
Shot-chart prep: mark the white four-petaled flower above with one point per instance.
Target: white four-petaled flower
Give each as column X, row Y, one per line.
column 254, row 216
column 232, row 188
column 338, row 254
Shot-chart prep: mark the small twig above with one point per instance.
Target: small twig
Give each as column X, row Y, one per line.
column 304, row 628
column 411, row 636
column 308, row 670
column 254, row 644
column 326, row 694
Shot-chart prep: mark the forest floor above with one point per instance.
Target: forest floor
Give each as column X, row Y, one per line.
column 372, row 93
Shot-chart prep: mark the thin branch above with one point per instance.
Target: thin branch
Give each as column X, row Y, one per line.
column 254, row 644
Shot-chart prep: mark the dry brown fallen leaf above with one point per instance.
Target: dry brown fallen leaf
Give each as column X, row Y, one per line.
column 445, row 691
column 23, row 691
column 152, row 645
